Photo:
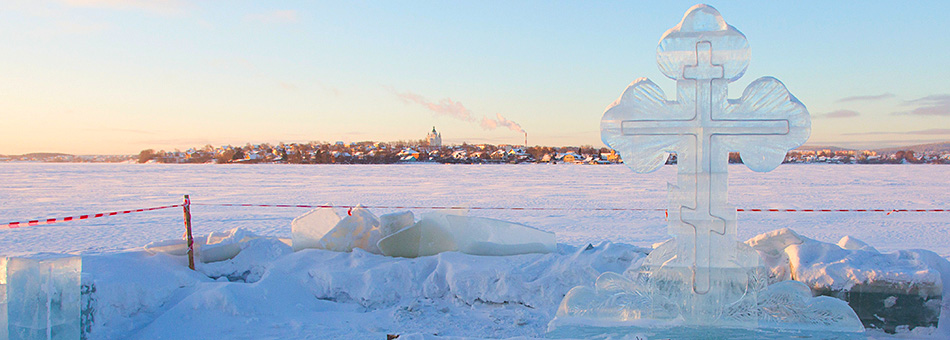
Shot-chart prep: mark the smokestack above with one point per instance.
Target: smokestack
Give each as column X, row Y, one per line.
column 526, row 139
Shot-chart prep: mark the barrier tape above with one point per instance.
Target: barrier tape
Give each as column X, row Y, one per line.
column 13, row 225
column 888, row 211
column 417, row 207
column 350, row 207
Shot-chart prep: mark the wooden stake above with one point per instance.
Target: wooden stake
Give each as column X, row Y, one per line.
column 186, row 207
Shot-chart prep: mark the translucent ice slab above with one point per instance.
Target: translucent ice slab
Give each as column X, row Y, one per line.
column 309, row 228
column 392, row 223
column 42, row 297
column 436, row 233
column 358, row 230
column 322, row 228
column 3, row 299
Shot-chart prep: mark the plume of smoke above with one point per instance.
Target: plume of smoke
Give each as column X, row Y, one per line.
column 455, row 109
column 491, row 124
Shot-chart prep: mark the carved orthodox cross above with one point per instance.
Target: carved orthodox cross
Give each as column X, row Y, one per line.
column 703, row 54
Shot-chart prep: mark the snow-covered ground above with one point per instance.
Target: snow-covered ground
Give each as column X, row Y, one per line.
column 30, row 191
column 322, row 294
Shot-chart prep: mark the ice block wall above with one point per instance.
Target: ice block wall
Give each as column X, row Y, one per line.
column 42, row 297
column 3, row 299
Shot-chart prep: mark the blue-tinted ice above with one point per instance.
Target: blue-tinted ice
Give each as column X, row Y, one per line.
column 702, row 276
column 42, row 297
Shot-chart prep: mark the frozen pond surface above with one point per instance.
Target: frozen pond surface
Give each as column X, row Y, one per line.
column 31, row 191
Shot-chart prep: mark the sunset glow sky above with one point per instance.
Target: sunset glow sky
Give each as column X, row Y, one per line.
column 117, row 77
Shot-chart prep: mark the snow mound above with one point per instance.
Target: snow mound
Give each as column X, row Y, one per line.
column 450, row 294
column 841, row 266
column 851, row 243
column 901, row 291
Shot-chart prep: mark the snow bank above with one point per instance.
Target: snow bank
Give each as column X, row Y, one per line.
column 342, row 293
column 843, row 265
column 269, row 291
column 895, row 291
column 129, row 290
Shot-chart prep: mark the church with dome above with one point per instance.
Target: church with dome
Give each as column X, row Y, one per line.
column 434, row 139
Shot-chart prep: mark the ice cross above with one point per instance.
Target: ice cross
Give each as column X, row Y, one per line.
column 703, row 54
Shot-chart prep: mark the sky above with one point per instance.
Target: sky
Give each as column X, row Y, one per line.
column 121, row 76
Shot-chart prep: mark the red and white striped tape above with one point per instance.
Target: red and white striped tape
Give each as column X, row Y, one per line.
column 419, row 207
column 888, row 211
column 12, row 225
column 544, row 208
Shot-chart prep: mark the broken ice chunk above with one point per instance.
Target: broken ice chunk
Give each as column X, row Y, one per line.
column 436, row 233
column 224, row 245
column 359, row 230
column 309, row 228
column 43, row 296
column 392, row 223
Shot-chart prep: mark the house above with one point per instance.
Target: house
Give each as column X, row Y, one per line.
column 498, row 154
column 612, row 156
column 569, row 157
column 408, row 155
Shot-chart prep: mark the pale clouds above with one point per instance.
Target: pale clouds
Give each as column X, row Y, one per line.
column 274, row 17
column 933, row 105
column 915, row 132
column 837, row 114
column 152, row 6
column 866, row 98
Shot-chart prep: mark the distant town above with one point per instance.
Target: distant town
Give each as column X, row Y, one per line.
column 432, row 150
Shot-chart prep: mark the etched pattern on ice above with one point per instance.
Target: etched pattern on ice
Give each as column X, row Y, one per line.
column 790, row 303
